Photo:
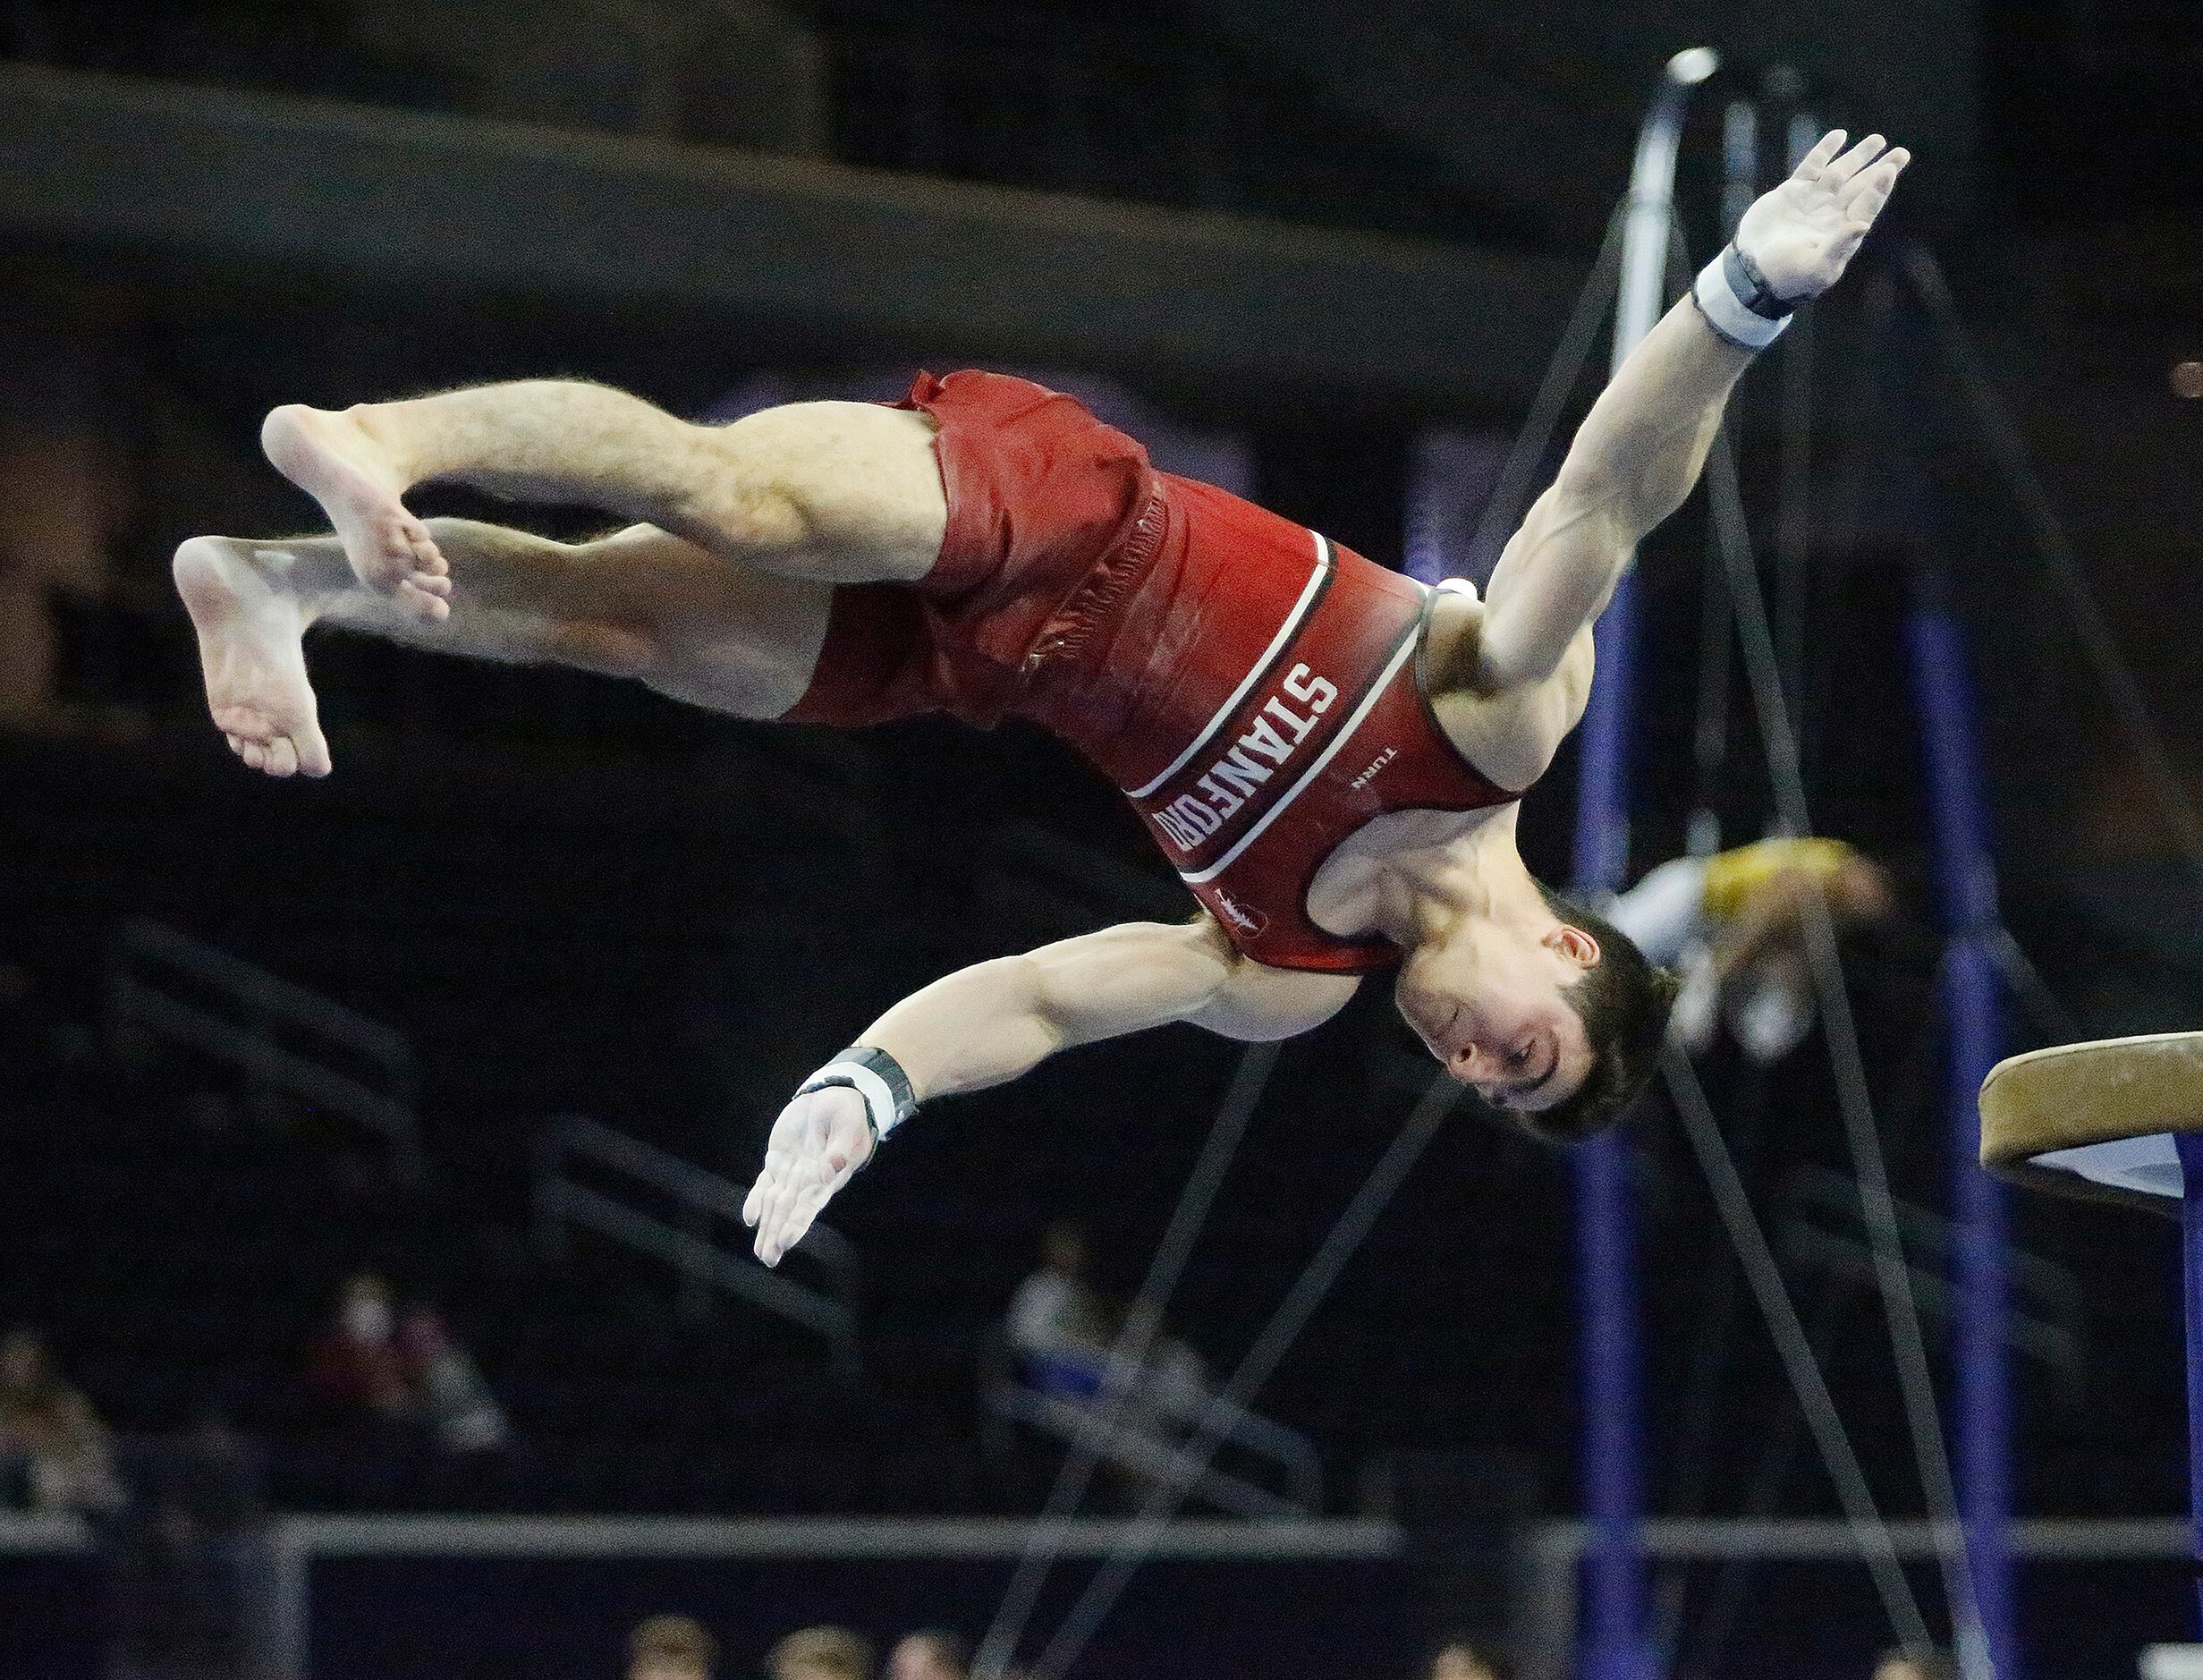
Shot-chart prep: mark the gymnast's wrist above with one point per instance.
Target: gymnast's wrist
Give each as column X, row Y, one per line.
column 877, row 1077
column 1734, row 298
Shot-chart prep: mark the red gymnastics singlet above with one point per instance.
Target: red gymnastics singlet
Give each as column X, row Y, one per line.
column 1258, row 698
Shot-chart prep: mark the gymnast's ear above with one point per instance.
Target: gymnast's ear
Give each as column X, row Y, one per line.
column 1580, row 946
column 1623, row 1002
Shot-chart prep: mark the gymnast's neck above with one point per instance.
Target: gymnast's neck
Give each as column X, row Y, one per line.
column 1425, row 892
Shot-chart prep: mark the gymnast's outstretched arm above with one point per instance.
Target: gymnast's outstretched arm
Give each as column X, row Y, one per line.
column 1642, row 447
column 987, row 1025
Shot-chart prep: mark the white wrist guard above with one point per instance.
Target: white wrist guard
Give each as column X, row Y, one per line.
column 1733, row 297
column 877, row 1077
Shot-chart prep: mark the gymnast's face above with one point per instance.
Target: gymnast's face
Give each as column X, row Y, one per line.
column 1489, row 1000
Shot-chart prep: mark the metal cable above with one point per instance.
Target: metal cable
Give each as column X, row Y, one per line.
column 1794, row 519
column 2054, row 549
column 1730, row 1586
column 1694, row 1452
column 1286, row 1325
column 2055, row 1022
column 1908, row 1343
column 1709, row 733
column 1764, row 674
column 1503, row 510
column 1749, row 1239
column 1045, row 1540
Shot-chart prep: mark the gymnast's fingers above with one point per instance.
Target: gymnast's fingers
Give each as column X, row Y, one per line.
column 776, row 1199
column 755, row 1200
column 790, row 1217
column 1810, row 165
column 771, row 1192
column 1864, row 197
column 807, row 1211
column 788, row 1227
column 1855, row 161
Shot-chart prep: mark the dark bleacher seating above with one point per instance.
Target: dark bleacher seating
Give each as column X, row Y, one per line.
column 669, row 944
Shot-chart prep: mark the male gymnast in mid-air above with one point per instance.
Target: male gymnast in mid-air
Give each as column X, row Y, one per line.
column 1329, row 754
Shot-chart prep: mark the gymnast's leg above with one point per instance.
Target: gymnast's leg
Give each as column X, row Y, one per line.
column 843, row 492
column 641, row 603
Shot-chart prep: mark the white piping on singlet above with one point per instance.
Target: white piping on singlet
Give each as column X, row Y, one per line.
column 1400, row 655
column 1255, row 671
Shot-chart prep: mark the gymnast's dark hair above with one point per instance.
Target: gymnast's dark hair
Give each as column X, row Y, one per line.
column 1624, row 1001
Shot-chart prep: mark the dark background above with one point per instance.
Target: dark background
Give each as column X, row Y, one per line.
column 1324, row 232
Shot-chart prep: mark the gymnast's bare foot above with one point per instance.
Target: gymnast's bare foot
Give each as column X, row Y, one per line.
column 251, row 622
column 334, row 459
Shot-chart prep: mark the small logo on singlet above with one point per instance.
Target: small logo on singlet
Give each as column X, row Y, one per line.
column 1237, row 915
column 1377, row 764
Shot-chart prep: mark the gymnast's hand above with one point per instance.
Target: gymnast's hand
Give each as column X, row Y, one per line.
column 1801, row 234
column 817, row 1144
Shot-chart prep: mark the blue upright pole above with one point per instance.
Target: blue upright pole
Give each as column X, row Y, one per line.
column 1615, row 1646
column 2190, row 1146
column 1973, row 1006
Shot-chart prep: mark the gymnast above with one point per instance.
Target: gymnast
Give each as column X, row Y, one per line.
column 1734, row 925
column 1329, row 754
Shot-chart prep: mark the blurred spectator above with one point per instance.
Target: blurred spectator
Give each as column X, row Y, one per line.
column 1734, row 923
column 931, row 1653
column 356, row 1366
column 412, row 1417
column 1062, row 1329
column 821, row 1653
column 455, row 1404
column 64, row 496
column 1466, row 1659
column 1057, row 1324
column 671, row 1648
column 1902, row 1663
column 54, row 1454
column 184, row 1556
column 59, row 503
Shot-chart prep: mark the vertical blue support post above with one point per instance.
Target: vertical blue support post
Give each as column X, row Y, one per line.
column 1615, row 1644
column 2190, row 1146
column 1973, row 1006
